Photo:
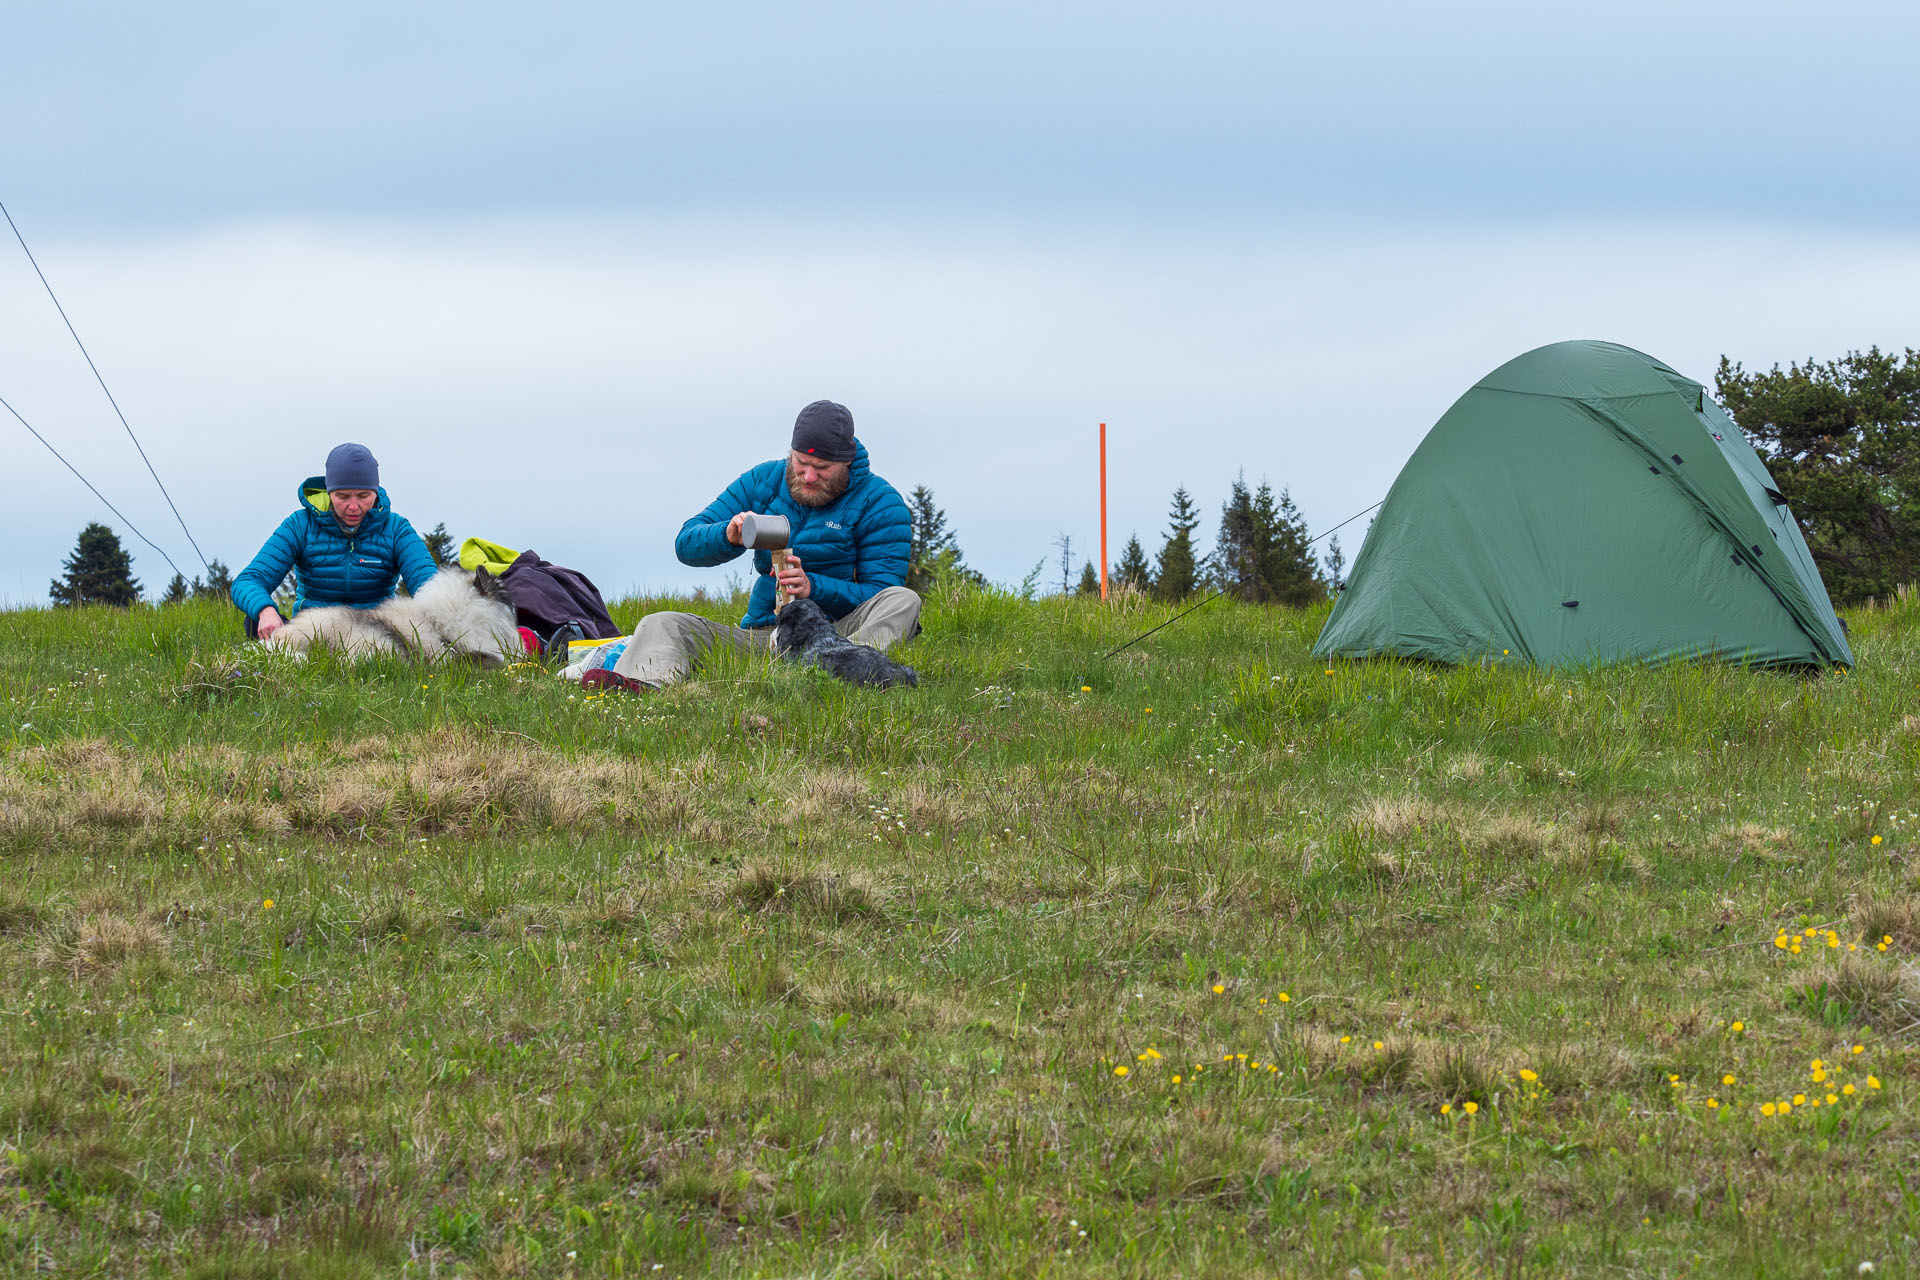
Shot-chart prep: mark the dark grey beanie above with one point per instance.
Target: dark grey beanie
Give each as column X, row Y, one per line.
column 825, row 430
column 351, row 466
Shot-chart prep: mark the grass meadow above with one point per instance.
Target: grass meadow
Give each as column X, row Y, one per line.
column 1207, row 960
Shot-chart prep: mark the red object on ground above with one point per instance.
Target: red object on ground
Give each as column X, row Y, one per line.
column 529, row 640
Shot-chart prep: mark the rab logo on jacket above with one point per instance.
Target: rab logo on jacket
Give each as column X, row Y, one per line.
column 835, row 524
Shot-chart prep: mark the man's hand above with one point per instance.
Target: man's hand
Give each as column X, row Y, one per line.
column 733, row 529
column 268, row 622
column 793, row 581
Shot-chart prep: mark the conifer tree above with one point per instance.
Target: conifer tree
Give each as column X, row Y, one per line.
column 440, row 546
column 219, row 583
column 1336, row 566
column 98, row 572
column 934, row 552
column 1261, row 552
column 1133, row 573
column 177, row 590
column 1288, row 572
column 1176, row 576
column 1089, row 581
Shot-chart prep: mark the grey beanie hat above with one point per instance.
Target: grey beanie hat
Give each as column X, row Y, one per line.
column 825, row 430
column 351, row 466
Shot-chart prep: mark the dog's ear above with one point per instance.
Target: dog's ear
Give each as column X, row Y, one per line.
column 486, row 585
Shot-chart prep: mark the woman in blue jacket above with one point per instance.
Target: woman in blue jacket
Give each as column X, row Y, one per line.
column 344, row 545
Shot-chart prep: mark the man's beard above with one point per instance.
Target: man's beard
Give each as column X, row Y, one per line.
column 819, row 495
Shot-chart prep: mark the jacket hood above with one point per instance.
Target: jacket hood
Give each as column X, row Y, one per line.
column 314, row 499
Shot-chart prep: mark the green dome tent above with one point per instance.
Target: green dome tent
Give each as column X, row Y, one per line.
column 1584, row 503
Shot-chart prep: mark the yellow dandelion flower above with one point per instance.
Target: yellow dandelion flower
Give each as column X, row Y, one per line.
column 1713, row 1104
column 1120, row 1070
column 1880, row 946
column 1529, row 1076
column 1767, row 1108
column 1219, row 988
column 1873, row 1082
column 1728, row 1079
column 1853, row 946
column 1799, row 1099
column 1149, row 710
column 1346, row 1039
column 1153, row 1053
column 1263, row 999
column 1847, row 1089
column 1446, row 1108
column 1832, row 1099
column 1832, row 941
column 1785, row 1108
column 1285, row 998
column 1226, row 1057
column 1737, row 1027
column 1086, row 688
column 1810, row 931
column 1672, row 1078
column 267, row 905
column 1887, row 938
column 1795, row 948
column 1859, row 1048
column 1139, row 1057
column 1379, row 1044
column 1876, row 840
column 1470, row 1107
column 1780, row 941
column 1176, row 1079
column 1819, row 1076
column 1240, row 1057
column 1329, row 670
column 1272, row 1068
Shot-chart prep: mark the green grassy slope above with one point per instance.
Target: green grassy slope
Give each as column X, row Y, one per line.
column 1206, row 960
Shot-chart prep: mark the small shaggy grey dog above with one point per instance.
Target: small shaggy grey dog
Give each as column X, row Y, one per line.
column 455, row 614
column 805, row 634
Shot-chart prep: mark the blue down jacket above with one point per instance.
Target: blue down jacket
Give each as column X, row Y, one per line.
column 853, row 548
column 330, row 564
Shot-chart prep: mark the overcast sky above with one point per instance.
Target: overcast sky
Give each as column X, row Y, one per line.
column 567, row 270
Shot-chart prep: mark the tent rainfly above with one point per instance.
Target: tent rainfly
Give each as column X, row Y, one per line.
column 1582, row 504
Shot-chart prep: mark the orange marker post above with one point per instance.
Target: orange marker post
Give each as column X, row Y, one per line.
column 1103, row 511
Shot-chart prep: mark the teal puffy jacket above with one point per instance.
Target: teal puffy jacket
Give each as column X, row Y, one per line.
column 853, row 548
column 332, row 565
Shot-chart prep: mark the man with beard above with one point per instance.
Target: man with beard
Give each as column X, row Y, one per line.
column 848, row 553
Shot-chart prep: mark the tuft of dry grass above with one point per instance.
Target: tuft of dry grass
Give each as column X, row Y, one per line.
column 1398, row 819
column 100, row 942
column 822, row 895
column 1514, row 835
column 1895, row 916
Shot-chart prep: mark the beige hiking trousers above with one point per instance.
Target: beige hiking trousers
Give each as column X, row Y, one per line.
column 667, row 646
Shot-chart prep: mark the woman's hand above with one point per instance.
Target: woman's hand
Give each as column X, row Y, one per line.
column 268, row 622
column 793, row 581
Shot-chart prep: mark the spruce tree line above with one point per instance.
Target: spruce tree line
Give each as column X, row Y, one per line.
column 1261, row 552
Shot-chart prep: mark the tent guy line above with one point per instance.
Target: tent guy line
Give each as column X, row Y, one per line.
column 96, row 493
column 1234, row 586
column 88, row 357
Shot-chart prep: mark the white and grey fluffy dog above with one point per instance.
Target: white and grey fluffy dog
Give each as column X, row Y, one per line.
column 457, row 614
